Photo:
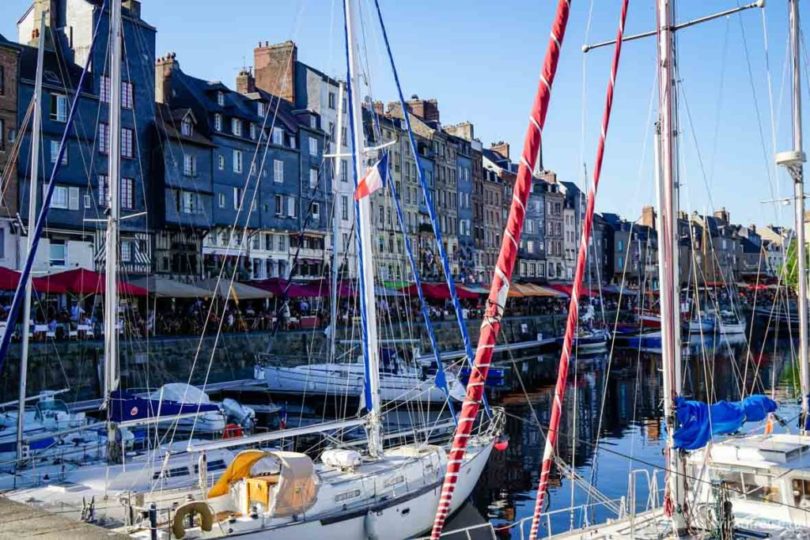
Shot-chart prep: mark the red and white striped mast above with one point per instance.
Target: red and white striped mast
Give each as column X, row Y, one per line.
column 499, row 290
column 573, row 306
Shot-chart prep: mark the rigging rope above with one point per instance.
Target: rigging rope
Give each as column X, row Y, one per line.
column 451, row 284
column 573, row 307
column 499, row 290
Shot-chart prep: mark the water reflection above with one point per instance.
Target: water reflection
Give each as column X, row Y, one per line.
column 629, row 427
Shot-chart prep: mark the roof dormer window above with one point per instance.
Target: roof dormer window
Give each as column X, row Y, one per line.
column 218, row 122
column 260, row 108
column 221, row 99
column 187, row 127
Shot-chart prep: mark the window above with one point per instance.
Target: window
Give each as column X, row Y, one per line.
column 73, row 198
column 126, row 251
column 55, row 153
column 260, row 108
column 57, row 254
column 313, row 178
column 59, row 199
column 2, row 80
column 218, row 122
column 253, row 131
column 222, row 200
column 127, row 95
column 59, row 107
column 278, row 136
column 279, row 205
column 104, row 138
column 127, row 193
column 220, row 99
column 236, row 127
column 127, row 137
column 278, row 171
column 189, row 165
column 221, row 162
column 237, row 161
column 332, row 100
column 331, row 131
column 188, row 202
column 103, row 187
column 187, row 128
column 316, row 211
column 237, row 197
column 291, row 207
column 313, row 146
column 344, row 207
column 88, row 201
column 343, row 136
column 344, row 171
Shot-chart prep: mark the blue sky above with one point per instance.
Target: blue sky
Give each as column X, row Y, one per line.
column 481, row 61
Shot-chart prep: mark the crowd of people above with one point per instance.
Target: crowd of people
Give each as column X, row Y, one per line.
column 82, row 317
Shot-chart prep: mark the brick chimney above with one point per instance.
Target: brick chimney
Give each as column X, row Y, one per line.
column 164, row 67
column 465, row 130
column 648, row 217
column 426, row 109
column 722, row 215
column 245, row 82
column 274, row 68
column 501, row 148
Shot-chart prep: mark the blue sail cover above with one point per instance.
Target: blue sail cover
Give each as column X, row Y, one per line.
column 128, row 406
column 697, row 422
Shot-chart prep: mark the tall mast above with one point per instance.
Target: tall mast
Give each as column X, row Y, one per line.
column 369, row 303
column 793, row 161
column 335, row 221
column 667, row 255
column 113, row 177
column 33, row 185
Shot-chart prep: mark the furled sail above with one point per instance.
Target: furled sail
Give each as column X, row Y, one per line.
column 697, row 422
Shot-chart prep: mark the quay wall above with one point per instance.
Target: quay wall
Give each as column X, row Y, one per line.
column 151, row 362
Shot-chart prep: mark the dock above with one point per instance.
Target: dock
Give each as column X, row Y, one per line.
column 19, row 520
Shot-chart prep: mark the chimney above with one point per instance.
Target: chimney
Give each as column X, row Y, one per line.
column 245, row 82
column 51, row 10
column 164, row 67
column 648, row 217
column 274, row 68
column 134, row 7
column 426, row 109
column 722, row 215
column 379, row 108
column 465, row 130
column 501, row 148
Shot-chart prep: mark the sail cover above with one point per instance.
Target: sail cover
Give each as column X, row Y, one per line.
column 697, row 422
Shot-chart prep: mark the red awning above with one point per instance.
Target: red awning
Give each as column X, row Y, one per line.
column 439, row 291
column 10, row 278
column 81, row 281
column 567, row 288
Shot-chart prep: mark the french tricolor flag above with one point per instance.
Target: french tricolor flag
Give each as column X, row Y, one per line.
column 373, row 180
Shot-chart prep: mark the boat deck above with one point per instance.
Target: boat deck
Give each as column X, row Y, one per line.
column 19, row 520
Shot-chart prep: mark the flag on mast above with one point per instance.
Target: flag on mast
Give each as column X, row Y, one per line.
column 373, row 179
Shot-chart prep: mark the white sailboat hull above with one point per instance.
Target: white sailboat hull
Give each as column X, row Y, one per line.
column 347, row 380
column 393, row 513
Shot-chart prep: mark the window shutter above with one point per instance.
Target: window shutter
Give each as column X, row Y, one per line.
column 73, row 198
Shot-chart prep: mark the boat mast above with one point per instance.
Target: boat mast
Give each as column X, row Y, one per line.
column 793, row 161
column 36, row 134
column 368, row 302
column 667, row 256
column 338, row 140
column 113, row 177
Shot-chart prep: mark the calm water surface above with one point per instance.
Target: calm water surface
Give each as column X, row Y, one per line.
column 606, row 444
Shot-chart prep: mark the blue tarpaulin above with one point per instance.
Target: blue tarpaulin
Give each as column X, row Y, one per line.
column 697, row 422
